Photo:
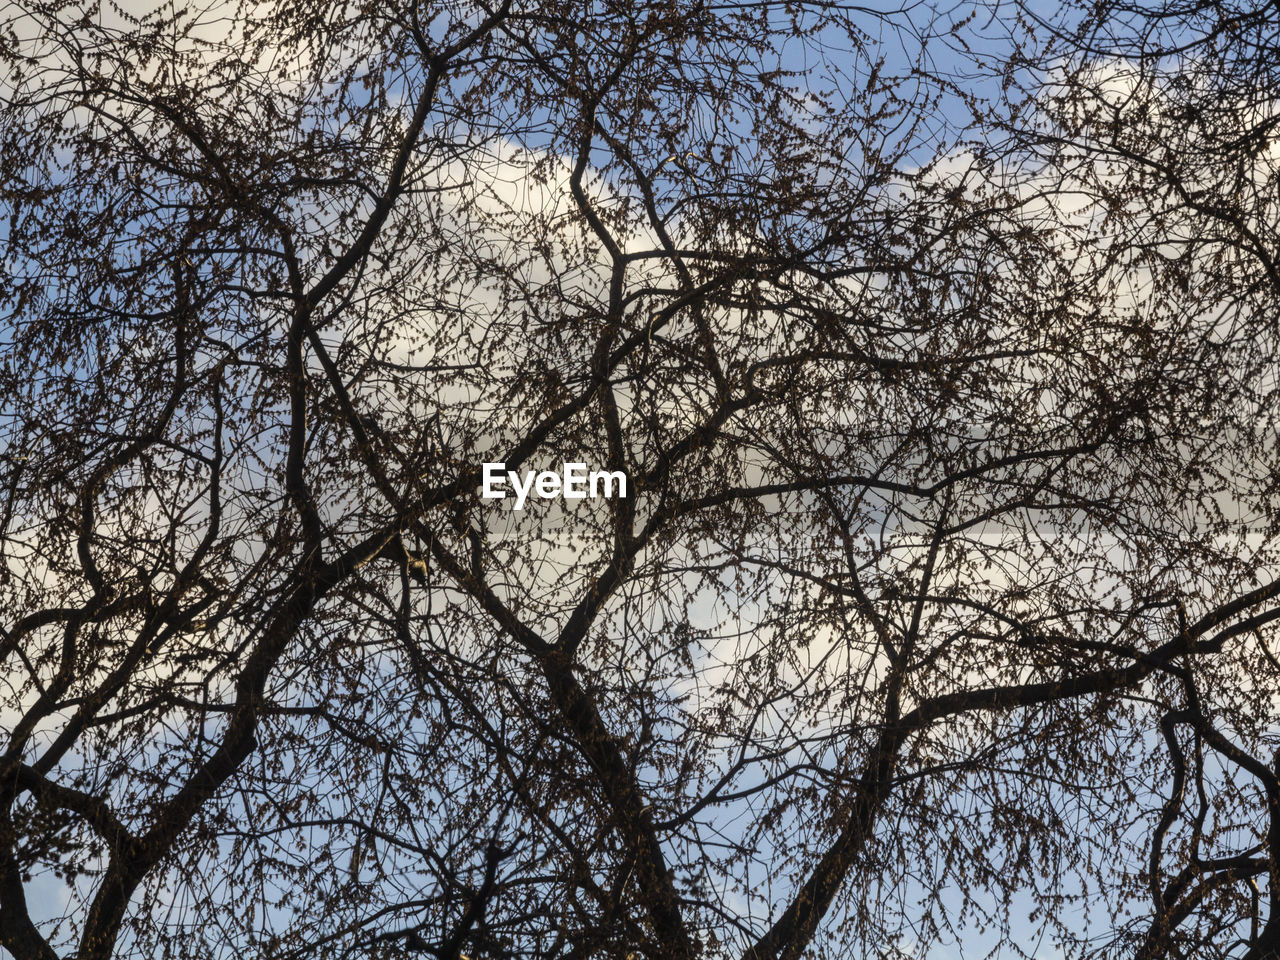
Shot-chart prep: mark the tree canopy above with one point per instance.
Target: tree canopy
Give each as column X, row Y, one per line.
column 937, row 348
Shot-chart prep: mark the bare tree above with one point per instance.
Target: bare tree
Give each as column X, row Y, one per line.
column 1166, row 115
column 945, row 558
